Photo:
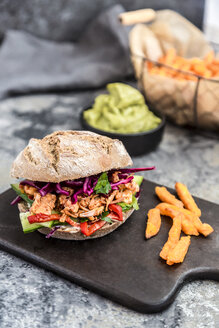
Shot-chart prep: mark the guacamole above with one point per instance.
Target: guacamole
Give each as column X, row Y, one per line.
column 123, row 110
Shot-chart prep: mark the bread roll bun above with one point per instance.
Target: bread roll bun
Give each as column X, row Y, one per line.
column 69, row 155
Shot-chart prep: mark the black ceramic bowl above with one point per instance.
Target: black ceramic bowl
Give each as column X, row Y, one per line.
column 136, row 143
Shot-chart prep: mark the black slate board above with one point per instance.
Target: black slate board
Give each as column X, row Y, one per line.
column 122, row 266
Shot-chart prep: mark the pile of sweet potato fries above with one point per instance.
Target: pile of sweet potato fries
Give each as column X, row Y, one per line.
column 207, row 67
column 186, row 217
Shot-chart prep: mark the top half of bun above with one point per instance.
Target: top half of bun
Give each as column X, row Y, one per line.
column 69, row 155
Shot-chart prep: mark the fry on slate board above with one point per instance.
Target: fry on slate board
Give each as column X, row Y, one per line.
column 187, row 213
column 204, row 228
column 153, row 223
column 187, row 199
column 167, row 197
column 185, row 219
column 174, row 235
column 178, row 253
column 170, row 210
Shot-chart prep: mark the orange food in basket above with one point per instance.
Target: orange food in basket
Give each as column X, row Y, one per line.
column 208, row 67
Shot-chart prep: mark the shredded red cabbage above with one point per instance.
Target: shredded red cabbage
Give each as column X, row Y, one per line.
column 90, row 190
column 95, row 179
column 30, row 183
column 52, row 231
column 60, row 190
column 121, row 182
column 123, row 175
column 72, row 183
column 74, row 197
column 136, row 170
column 85, row 185
column 91, row 184
column 16, row 200
column 46, row 189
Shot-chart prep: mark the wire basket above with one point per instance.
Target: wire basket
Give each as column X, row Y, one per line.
column 192, row 101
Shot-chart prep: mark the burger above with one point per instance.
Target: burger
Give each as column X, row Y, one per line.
column 76, row 185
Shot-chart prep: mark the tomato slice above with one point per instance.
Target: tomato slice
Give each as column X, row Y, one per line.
column 72, row 222
column 113, row 216
column 40, row 217
column 117, row 210
column 88, row 230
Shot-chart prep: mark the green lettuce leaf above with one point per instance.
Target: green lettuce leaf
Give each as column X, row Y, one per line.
column 134, row 204
column 103, row 186
column 104, row 217
column 107, row 219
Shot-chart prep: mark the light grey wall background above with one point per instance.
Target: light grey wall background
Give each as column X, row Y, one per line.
column 65, row 20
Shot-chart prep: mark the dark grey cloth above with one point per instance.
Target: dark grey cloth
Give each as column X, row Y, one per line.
column 65, row 20
column 29, row 64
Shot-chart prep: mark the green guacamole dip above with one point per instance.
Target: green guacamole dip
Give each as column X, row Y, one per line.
column 123, row 110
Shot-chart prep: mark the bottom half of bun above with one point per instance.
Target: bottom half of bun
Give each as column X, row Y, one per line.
column 71, row 233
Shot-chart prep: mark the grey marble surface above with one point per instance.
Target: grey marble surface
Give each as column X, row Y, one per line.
column 33, row 297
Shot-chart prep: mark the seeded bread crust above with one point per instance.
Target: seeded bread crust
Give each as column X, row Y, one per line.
column 72, row 233
column 69, row 155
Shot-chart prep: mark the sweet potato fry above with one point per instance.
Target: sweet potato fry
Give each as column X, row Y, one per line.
column 199, row 68
column 185, row 219
column 207, row 74
column 153, row 223
column 204, row 228
column 170, row 56
column 214, row 69
column 171, row 210
column 154, row 70
column 167, row 197
column 208, row 59
column 178, row 253
column 195, row 61
column 163, row 72
column 206, row 67
column 188, row 214
column 174, row 235
column 187, row 198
